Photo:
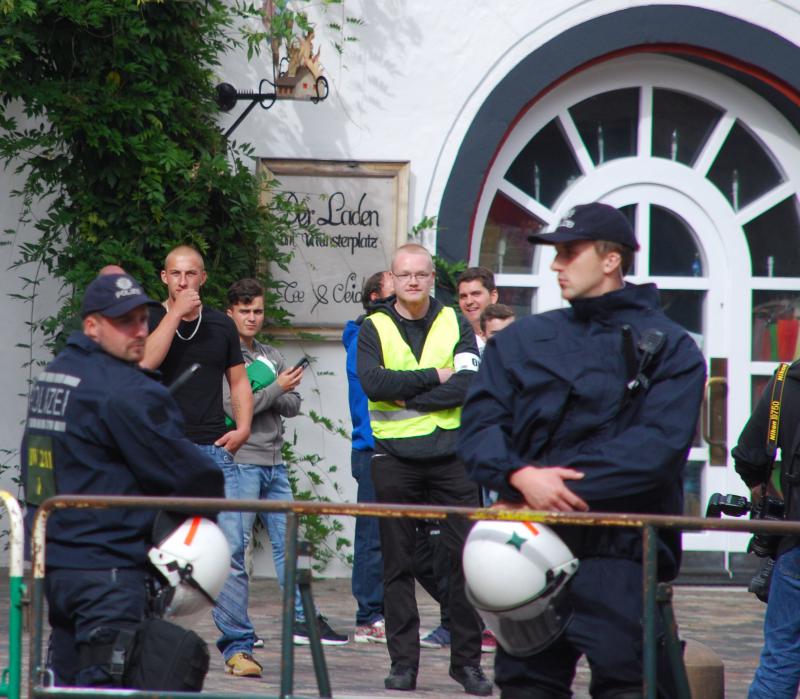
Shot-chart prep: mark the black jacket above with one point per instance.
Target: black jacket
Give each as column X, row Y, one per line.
column 420, row 389
column 552, row 391
column 751, row 457
column 110, row 430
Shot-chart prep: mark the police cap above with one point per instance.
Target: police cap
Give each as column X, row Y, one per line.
column 113, row 295
column 593, row 221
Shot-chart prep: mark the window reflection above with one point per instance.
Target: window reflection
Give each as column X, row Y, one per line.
column 686, row 309
column 504, row 245
column 629, row 212
column 743, row 170
column 608, row 124
column 757, row 386
column 673, row 249
column 774, row 241
column 775, row 326
column 681, row 125
column 545, row 167
column 520, row 299
column 692, row 489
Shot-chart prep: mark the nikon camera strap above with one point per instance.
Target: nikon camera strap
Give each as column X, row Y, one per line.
column 774, row 423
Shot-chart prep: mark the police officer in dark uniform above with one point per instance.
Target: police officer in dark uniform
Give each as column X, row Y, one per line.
column 98, row 425
column 572, row 412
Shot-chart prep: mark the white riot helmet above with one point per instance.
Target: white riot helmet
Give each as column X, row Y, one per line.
column 195, row 560
column 515, row 575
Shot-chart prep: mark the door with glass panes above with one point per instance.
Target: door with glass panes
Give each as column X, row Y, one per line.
column 708, row 173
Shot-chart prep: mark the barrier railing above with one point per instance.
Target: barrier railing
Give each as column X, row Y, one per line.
column 654, row 593
column 11, row 682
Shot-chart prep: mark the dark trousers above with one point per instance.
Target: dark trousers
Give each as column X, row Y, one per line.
column 432, row 566
column 86, row 609
column 606, row 627
column 439, row 482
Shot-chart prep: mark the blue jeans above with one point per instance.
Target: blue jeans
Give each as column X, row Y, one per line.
column 778, row 673
column 269, row 483
column 230, row 613
column 367, row 581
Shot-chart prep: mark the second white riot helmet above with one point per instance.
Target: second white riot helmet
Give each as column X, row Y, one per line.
column 195, row 560
column 515, row 575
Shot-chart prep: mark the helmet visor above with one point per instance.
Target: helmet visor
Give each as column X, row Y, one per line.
column 531, row 627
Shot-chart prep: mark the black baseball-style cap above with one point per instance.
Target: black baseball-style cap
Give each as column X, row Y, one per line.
column 590, row 222
column 113, row 295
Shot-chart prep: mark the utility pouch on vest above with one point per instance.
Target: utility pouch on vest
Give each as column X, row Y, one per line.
column 156, row 655
column 166, row 657
column 649, row 345
column 40, row 481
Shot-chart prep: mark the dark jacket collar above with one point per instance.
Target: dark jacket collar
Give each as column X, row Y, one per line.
column 629, row 297
column 389, row 307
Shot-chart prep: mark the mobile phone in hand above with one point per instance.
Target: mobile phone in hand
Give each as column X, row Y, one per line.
column 302, row 364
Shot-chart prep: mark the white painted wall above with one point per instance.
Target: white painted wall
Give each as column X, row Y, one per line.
column 411, row 85
column 15, row 318
column 407, row 90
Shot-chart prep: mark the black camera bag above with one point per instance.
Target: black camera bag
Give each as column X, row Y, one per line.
column 164, row 656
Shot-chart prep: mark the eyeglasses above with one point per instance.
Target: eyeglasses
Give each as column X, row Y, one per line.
column 406, row 277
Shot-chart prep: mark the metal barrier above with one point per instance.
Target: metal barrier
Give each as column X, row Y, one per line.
column 11, row 682
column 656, row 596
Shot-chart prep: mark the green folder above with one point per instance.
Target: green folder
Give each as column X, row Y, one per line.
column 261, row 372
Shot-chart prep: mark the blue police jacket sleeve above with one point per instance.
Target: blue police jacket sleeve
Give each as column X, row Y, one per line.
column 649, row 451
column 485, row 443
column 148, row 430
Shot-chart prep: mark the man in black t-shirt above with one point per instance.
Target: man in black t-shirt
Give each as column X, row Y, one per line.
column 181, row 333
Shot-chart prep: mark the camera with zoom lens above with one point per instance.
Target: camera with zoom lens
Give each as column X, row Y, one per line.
column 762, row 545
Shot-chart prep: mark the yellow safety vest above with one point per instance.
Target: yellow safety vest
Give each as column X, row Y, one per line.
column 392, row 421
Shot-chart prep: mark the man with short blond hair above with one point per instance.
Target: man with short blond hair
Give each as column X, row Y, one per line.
column 416, row 359
column 183, row 332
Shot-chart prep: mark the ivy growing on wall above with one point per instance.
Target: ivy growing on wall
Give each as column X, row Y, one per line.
column 107, row 114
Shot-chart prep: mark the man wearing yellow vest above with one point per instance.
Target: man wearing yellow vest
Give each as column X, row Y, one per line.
column 415, row 361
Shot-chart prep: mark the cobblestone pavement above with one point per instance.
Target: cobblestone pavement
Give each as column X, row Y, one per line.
column 726, row 619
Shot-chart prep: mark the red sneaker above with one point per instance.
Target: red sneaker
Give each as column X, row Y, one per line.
column 488, row 642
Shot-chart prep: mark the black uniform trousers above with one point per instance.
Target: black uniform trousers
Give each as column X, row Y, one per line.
column 606, row 627
column 436, row 482
column 432, row 566
column 87, row 608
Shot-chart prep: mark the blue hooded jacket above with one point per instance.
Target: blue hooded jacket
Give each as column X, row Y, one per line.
column 359, row 412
